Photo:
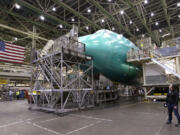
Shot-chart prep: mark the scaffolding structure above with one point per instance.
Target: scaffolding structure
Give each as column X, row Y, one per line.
column 161, row 67
column 62, row 78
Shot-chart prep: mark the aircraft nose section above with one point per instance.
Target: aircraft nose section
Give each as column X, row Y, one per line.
column 109, row 50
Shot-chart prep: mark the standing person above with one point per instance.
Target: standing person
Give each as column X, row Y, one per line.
column 172, row 104
column 17, row 94
column 10, row 95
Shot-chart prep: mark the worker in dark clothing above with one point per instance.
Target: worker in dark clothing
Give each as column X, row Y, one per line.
column 172, row 104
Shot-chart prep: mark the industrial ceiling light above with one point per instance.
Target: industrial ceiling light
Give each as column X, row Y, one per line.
column 178, row 4
column 156, row 23
column 15, row 38
column 61, row 26
column 130, row 22
column 122, row 12
column 113, row 28
column 109, row 0
column 54, row 9
column 137, row 29
column 17, row 6
column 102, row 20
column 178, row 16
column 89, row 10
column 72, row 19
column 87, row 28
column 143, row 35
column 160, row 30
column 152, row 14
column 145, row 1
column 42, row 17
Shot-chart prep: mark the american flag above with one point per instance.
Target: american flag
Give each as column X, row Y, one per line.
column 11, row 53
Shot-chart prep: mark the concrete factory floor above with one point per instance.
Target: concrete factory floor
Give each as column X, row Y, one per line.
column 124, row 118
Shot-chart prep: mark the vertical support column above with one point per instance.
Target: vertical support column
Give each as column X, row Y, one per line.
column 79, row 91
column 178, row 68
column 78, row 17
column 61, row 89
column 93, row 100
column 33, row 37
column 178, row 65
column 14, row 83
column 33, row 49
column 144, row 80
column 52, row 81
column 145, row 91
column 144, row 73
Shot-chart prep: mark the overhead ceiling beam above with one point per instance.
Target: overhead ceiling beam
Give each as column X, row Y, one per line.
column 143, row 21
column 117, row 11
column 176, row 34
column 42, row 25
column 167, row 16
column 29, row 34
column 108, row 15
column 27, row 5
column 76, row 13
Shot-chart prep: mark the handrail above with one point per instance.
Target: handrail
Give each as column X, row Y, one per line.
column 135, row 54
column 166, row 68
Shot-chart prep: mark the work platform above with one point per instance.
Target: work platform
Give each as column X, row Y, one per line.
column 62, row 82
column 160, row 68
column 145, row 56
column 62, row 76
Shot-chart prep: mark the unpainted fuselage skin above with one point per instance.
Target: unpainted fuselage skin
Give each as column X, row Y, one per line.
column 109, row 52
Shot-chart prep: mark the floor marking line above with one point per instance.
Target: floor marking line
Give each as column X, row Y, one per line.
column 46, row 129
column 87, row 126
column 11, row 124
column 90, row 117
column 18, row 122
column 162, row 125
column 48, row 120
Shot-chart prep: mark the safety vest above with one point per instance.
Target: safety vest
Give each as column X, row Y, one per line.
column 17, row 93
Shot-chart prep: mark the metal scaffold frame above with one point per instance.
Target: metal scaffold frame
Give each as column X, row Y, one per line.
column 62, row 80
column 56, row 89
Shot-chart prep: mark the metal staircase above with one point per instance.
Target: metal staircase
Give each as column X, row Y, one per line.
column 160, row 60
column 51, row 73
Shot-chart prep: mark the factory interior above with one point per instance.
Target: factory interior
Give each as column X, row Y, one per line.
column 89, row 67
